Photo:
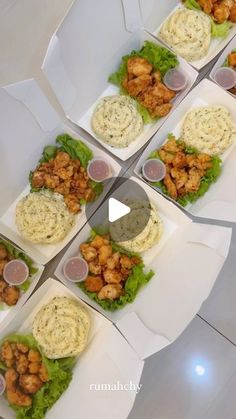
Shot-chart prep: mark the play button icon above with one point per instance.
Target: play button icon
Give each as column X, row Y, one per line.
column 116, row 210
column 125, row 213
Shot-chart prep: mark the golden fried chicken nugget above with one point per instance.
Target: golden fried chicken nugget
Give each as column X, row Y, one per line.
column 232, row 15
column 232, row 56
column 112, row 276
column 7, row 355
column 221, row 12
column 206, row 5
column 2, row 265
column 62, row 159
column 95, row 268
column 30, row 383
column 34, row 356
column 137, row 85
column 3, row 252
column 136, row 66
column 104, row 253
column 93, row 283
column 168, row 182
column 88, row 252
column 180, row 177
column 22, row 363
column 11, row 295
column 43, row 374
column 162, row 110
column 110, row 292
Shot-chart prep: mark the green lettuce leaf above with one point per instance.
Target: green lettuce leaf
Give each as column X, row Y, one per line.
column 77, row 149
column 192, row 5
column 49, row 153
column 220, row 30
column 161, row 59
column 60, row 375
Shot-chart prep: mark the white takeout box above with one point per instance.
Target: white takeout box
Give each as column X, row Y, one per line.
column 186, row 265
column 162, row 10
column 107, row 360
column 78, row 62
column 8, row 313
column 219, row 202
column 28, row 123
column 219, row 63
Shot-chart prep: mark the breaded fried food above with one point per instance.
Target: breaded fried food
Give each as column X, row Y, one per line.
column 137, row 85
column 30, row 383
column 184, row 171
column 221, row 12
column 137, row 66
column 206, row 5
column 93, row 283
column 232, row 56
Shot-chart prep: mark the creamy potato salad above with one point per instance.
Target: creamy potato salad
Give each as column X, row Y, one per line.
column 61, row 328
column 42, row 217
column 188, row 32
column 116, row 121
column 209, row 129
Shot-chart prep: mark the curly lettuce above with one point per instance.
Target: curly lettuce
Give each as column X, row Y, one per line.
column 161, row 59
column 60, row 375
column 210, row 176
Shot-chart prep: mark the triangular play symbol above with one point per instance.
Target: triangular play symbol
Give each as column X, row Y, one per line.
column 116, row 210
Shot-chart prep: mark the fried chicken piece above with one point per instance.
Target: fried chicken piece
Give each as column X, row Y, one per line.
column 93, row 283
column 88, row 252
column 127, row 263
column 201, row 161
column 232, row 15
column 104, row 253
column 179, row 160
column 137, row 85
column 11, row 295
column 2, row 265
column 95, row 268
column 206, row 5
column 89, row 195
column 156, row 76
column 22, row 364
column 33, row 367
column 221, row 12
column 99, row 241
column 170, row 186
column 3, row 285
column 38, row 179
column 232, row 59
column 51, row 181
column 194, row 180
column 14, row 395
column 155, row 95
column 136, row 66
column 7, row 355
column 3, row 252
column 72, row 203
column 162, row 110
column 30, row 383
column 166, row 157
column 43, row 374
column 171, row 146
column 180, row 177
column 22, row 348
column 64, row 173
column 63, row 188
column 34, row 356
column 110, row 292
column 114, row 261
column 112, row 276
column 228, row 3
column 62, row 159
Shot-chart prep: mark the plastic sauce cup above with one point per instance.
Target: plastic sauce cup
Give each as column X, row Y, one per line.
column 175, row 79
column 16, row 272
column 225, row 77
column 98, row 170
column 75, row 269
column 154, row 170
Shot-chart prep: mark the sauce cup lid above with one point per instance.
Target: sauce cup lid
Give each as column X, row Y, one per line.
column 175, row 79
column 225, row 77
column 160, row 170
column 72, row 261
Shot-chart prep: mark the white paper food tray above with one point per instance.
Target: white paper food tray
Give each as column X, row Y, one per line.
column 28, row 123
column 219, row 202
column 162, row 11
column 108, row 359
column 186, row 265
column 8, row 313
column 78, row 62
column 219, row 63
